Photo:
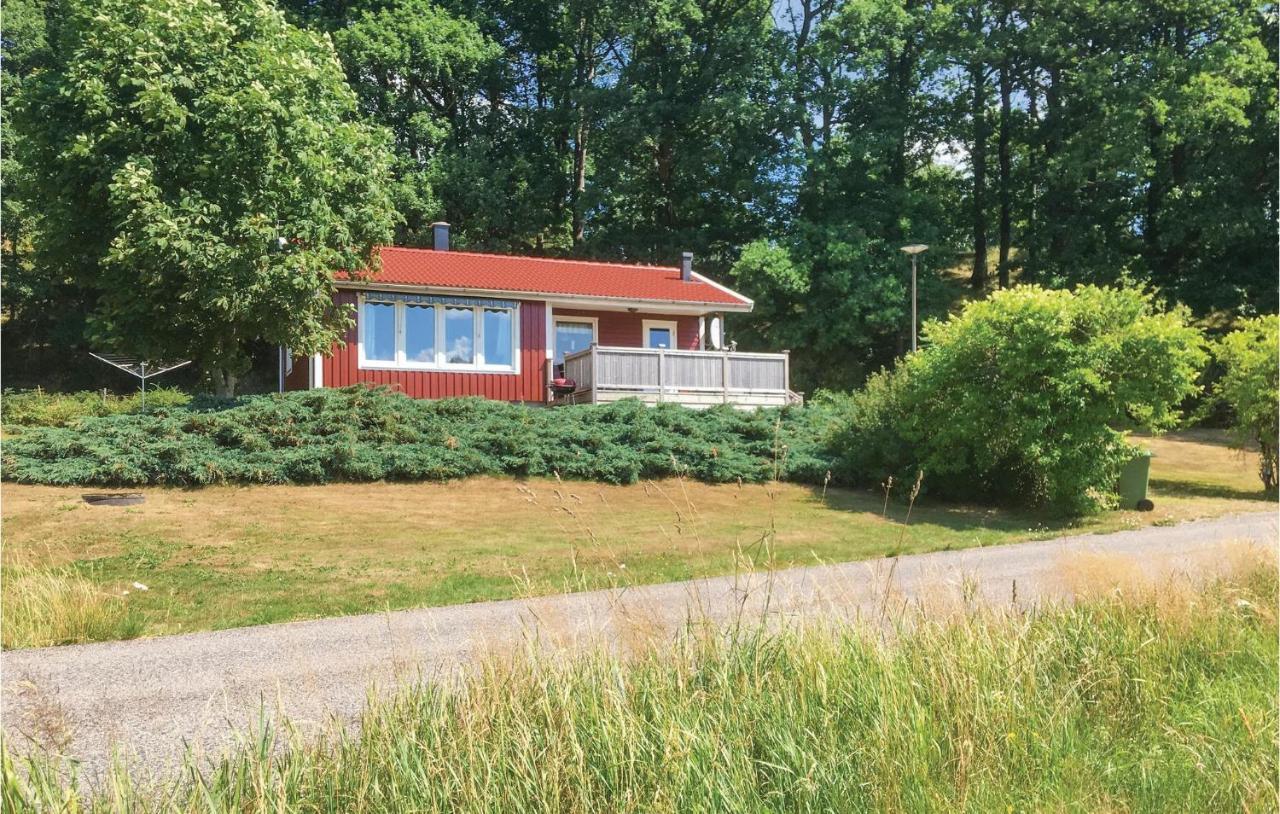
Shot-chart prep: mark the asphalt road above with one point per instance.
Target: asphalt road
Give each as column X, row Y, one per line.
column 150, row 699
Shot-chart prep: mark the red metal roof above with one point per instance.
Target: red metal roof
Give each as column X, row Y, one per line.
column 540, row 275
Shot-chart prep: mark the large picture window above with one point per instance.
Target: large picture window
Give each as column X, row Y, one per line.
column 443, row 334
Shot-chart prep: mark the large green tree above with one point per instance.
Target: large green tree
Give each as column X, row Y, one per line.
column 690, row 155
column 197, row 166
column 417, row 70
column 1154, row 142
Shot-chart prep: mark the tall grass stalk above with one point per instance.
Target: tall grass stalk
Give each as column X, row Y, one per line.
column 1151, row 700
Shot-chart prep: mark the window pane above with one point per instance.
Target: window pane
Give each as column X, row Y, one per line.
column 497, row 336
column 420, row 333
column 572, row 337
column 459, row 333
column 660, row 338
column 380, row 331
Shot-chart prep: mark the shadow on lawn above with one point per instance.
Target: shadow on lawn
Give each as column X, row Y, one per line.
column 1208, row 436
column 1184, row 488
column 959, row 517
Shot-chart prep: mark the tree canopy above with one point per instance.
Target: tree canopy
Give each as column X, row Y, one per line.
column 793, row 147
column 199, row 170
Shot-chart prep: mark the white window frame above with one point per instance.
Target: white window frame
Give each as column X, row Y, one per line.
column 669, row 324
column 477, row 365
column 594, row 322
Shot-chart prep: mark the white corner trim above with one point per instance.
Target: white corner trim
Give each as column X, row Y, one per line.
column 317, row 371
column 549, row 338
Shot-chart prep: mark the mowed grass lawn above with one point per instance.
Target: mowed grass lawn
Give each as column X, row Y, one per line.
column 231, row 556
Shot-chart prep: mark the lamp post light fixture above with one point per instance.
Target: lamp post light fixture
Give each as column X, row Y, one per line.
column 914, row 249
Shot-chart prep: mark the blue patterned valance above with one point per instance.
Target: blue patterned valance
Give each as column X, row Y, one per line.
column 437, row 299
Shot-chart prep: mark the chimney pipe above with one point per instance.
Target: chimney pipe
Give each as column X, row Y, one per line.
column 440, row 234
column 686, row 266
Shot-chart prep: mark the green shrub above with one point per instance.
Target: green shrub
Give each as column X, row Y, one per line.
column 37, row 408
column 1024, row 397
column 1249, row 387
column 362, row 434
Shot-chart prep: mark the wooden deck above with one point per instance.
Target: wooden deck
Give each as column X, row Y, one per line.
column 693, row 378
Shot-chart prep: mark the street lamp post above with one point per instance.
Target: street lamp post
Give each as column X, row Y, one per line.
column 914, row 249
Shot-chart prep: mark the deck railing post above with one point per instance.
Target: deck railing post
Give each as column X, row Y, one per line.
column 724, row 376
column 662, row 355
column 786, row 368
column 595, row 375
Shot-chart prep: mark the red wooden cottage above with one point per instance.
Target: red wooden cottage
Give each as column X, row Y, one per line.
column 436, row 323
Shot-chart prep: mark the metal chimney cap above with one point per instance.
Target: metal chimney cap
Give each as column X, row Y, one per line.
column 440, row 236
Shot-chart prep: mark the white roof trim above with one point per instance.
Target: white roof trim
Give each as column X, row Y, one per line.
column 750, row 302
column 571, row 300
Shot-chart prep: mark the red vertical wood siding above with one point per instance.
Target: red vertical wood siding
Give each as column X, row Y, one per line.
column 530, row 384
column 624, row 329
column 618, row 328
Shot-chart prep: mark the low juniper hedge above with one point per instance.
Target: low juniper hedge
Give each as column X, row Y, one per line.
column 371, row 434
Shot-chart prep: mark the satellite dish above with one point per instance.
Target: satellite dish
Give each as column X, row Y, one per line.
column 717, row 333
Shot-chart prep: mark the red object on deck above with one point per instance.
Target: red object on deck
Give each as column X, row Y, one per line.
column 561, row 386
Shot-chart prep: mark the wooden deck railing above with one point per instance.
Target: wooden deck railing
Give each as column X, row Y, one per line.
column 683, row 376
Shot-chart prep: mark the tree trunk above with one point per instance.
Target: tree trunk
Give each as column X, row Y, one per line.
column 978, row 157
column 1006, row 194
column 901, row 70
column 579, row 181
column 584, row 79
column 800, row 88
column 1054, row 194
column 224, row 383
column 1155, row 193
column 1033, row 191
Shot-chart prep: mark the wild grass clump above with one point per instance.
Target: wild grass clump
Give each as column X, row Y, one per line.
column 38, row 408
column 1128, row 702
column 60, row 606
column 363, row 434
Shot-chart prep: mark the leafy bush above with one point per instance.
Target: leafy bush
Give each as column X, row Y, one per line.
column 37, row 408
column 362, row 434
column 1249, row 387
column 1024, row 397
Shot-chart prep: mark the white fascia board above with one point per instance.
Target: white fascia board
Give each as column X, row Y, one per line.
column 567, row 300
column 750, row 303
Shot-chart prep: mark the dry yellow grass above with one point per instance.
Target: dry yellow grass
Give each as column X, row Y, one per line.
column 228, row 556
column 59, row 606
column 1199, row 467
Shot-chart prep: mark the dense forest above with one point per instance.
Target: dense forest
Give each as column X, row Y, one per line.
column 792, row 146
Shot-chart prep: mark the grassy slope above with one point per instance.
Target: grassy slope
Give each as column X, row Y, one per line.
column 231, row 556
column 1153, row 698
